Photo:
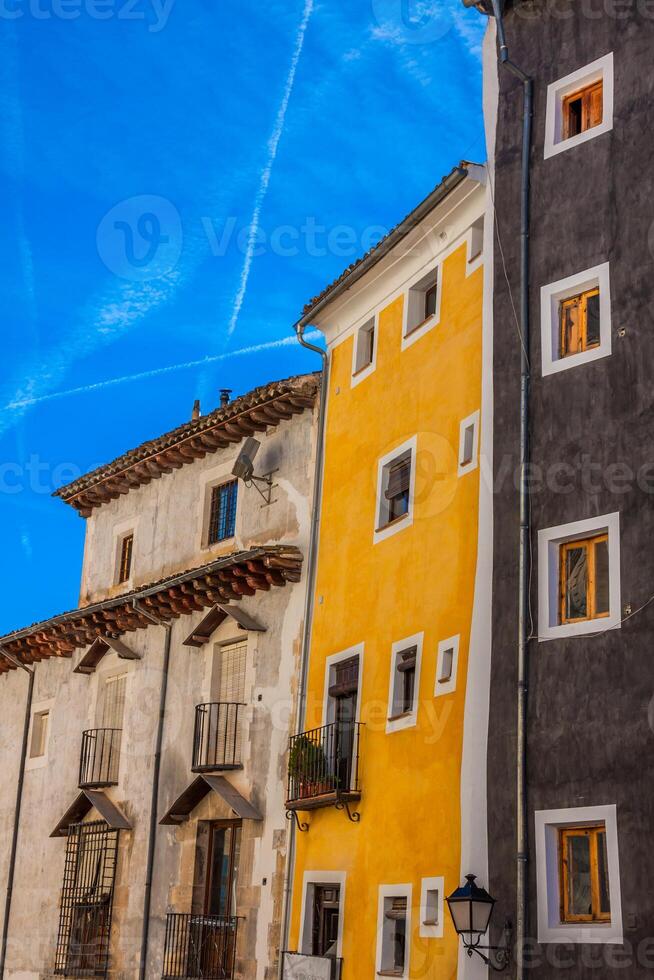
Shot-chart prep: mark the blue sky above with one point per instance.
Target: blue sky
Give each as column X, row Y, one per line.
column 179, row 179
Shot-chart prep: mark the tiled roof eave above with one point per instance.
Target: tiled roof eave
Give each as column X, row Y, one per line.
column 226, row 579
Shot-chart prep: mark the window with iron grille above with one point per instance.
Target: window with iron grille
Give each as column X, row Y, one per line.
column 222, row 513
column 87, row 901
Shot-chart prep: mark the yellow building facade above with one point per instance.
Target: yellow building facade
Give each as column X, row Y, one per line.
column 377, row 776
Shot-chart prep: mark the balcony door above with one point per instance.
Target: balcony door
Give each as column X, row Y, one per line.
column 228, row 686
column 343, row 705
column 326, row 912
column 212, row 936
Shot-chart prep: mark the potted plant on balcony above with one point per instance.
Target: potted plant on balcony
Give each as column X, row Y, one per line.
column 308, row 769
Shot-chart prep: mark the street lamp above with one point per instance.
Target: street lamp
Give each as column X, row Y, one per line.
column 471, row 908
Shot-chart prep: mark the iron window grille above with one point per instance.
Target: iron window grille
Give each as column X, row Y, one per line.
column 87, row 901
column 199, row 947
column 222, row 514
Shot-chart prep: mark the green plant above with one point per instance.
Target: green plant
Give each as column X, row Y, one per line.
column 307, row 761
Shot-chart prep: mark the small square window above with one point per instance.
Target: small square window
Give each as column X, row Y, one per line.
column 432, row 893
column 222, row 512
column 446, row 666
column 422, row 303
column 365, row 346
column 39, row 740
column 468, row 443
column 476, row 245
column 582, row 110
column 396, row 489
column 584, row 874
column 126, row 546
column 584, row 578
column 579, row 107
column 576, row 319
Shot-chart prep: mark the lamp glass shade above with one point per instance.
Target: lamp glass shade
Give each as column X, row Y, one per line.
column 471, row 908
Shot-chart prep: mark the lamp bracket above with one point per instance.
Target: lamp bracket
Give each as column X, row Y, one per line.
column 266, row 481
column 500, row 956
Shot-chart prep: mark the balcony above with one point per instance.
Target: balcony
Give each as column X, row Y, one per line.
column 100, row 758
column 199, row 947
column 318, row 967
column 323, row 767
column 217, row 737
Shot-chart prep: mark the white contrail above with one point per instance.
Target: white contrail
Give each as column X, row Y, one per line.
column 264, row 182
column 155, row 372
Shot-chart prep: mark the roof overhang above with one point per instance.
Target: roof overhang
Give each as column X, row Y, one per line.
column 101, row 646
column 207, row 626
column 91, row 799
column 255, row 412
column 395, row 237
column 184, row 805
column 225, row 580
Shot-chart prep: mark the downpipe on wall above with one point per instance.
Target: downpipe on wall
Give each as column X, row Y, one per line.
column 154, row 804
column 522, row 845
column 312, row 561
column 19, row 799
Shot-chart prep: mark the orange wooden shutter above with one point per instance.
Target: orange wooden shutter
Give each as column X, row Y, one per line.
column 596, row 105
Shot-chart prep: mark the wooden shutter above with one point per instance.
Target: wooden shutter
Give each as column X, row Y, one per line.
column 570, row 326
column 233, row 659
column 407, row 660
column 113, row 708
column 595, row 101
column 399, row 477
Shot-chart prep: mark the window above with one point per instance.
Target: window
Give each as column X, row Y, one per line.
column 39, row 740
column 393, row 931
column 579, row 318
column 86, row 901
column 397, row 484
column 584, row 874
column 576, row 319
column 446, row 666
column 583, row 110
column 476, row 243
column 432, row 894
column 364, row 354
column 322, row 915
column 222, row 512
column 579, row 106
column 579, row 578
column 113, row 701
column 422, row 303
column 222, row 873
column 404, row 687
column 125, row 559
column 468, row 444
column 578, row 875
column 584, row 579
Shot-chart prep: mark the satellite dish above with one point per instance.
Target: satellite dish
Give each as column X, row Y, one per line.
column 243, row 468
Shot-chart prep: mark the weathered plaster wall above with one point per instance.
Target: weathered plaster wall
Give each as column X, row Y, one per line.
column 167, row 544
column 589, row 730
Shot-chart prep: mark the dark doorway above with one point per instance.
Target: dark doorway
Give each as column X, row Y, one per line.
column 326, row 911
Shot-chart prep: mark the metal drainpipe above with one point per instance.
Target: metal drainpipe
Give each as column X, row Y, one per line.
column 152, row 831
column 522, row 848
column 308, row 617
column 19, row 800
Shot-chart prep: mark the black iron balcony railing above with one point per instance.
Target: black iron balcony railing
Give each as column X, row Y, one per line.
column 217, row 738
column 323, row 766
column 323, row 967
column 100, row 758
column 199, row 947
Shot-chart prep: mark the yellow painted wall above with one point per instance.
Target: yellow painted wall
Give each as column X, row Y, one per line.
column 420, row 579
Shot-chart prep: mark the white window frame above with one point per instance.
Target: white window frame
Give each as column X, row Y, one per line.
column 409, row 337
column 39, row 761
column 335, row 658
column 600, row 70
column 381, row 533
column 471, row 420
column 549, row 541
column 551, row 296
column 310, row 880
column 437, row 884
column 393, row 891
column 447, row 687
column 360, row 375
column 550, row 927
column 410, row 718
